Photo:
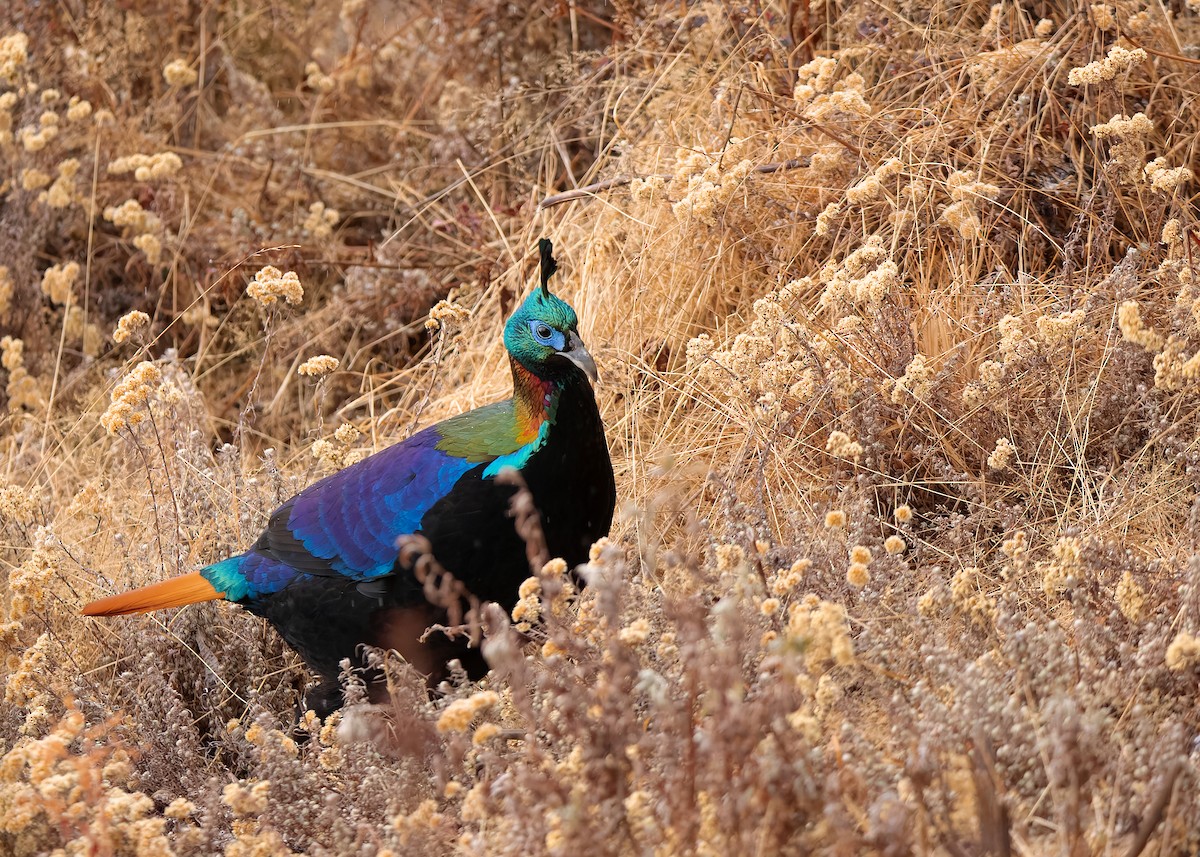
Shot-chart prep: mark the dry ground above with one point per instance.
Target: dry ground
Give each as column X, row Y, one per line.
column 897, row 314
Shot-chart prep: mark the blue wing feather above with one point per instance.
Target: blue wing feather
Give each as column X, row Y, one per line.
column 347, row 524
column 353, row 518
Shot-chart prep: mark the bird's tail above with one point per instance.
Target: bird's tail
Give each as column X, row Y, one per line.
column 176, row 592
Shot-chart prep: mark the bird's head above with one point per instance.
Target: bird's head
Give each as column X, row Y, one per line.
column 542, row 335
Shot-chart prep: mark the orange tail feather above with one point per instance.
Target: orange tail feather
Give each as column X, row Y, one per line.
column 176, row 592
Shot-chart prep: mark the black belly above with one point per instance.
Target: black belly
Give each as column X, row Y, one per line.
column 328, row 619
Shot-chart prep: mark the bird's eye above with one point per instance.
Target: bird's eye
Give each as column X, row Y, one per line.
column 546, row 335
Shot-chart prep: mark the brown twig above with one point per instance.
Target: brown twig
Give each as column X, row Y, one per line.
column 993, row 813
column 589, row 190
column 1155, row 812
column 621, row 181
column 1163, row 54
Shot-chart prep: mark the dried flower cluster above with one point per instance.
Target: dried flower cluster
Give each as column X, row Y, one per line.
column 1119, row 61
column 179, row 72
column 131, row 397
column 144, row 228
column 318, row 366
column 161, row 165
column 58, row 281
column 320, row 220
column 270, row 284
column 447, row 314
column 129, row 325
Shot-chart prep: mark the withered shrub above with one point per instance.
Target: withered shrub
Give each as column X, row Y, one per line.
column 897, row 319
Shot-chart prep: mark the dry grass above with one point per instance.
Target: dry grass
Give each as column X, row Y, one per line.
column 899, row 331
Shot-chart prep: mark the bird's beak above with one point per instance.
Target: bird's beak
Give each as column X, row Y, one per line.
column 578, row 354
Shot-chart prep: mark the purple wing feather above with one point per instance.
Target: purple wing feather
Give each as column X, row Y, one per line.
column 348, row 523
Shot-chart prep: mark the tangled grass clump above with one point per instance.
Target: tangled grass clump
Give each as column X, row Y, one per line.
column 899, row 326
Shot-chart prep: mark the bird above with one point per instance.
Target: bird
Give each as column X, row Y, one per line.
column 327, row 572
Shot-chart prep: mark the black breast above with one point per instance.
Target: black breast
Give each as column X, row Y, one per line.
column 571, row 480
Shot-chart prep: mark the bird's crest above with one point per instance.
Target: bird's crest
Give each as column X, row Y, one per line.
column 549, row 263
column 540, row 307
